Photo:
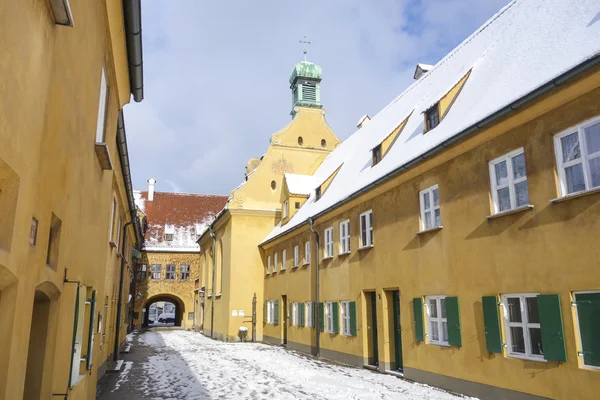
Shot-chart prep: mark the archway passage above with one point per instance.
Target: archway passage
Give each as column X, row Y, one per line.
column 164, row 314
column 37, row 346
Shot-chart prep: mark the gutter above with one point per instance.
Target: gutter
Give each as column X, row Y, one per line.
column 316, row 308
column 212, row 300
column 132, row 11
column 473, row 129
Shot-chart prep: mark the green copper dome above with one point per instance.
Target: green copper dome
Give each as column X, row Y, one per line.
column 305, row 69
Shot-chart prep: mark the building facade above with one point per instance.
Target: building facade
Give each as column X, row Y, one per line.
column 170, row 259
column 452, row 237
column 230, row 261
column 66, row 204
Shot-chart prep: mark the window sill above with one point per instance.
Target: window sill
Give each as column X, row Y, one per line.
column 435, row 228
column 344, row 254
column 306, row 263
column 112, row 244
column 103, row 156
column 366, row 247
column 575, row 195
column 440, row 344
column 326, row 258
column 77, row 380
column 525, row 358
column 509, row 212
column 295, row 266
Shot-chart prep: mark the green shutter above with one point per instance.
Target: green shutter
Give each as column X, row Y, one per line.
column 90, row 349
column 321, row 317
column 491, row 321
column 352, row 308
column 265, row 305
column 588, row 314
column 276, row 313
column 336, row 316
column 418, row 311
column 453, row 318
column 553, row 334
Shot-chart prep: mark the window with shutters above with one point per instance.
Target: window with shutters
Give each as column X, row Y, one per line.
column 522, row 326
column 587, row 310
column 329, row 316
column 297, row 314
column 366, row 229
column 430, row 208
column 307, row 253
column 577, row 153
column 437, row 322
column 328, row 248
column 268, row 265
column 345, row 308
column 275, row 263
column 142, row 273
column 78, row 336
column 296, row 256
column 283, row 259
column 170, row 272
column 270, row 311
column 345, row 237
column 309, row 322
column 155, row 272
column 184, row 272
column 509, row 181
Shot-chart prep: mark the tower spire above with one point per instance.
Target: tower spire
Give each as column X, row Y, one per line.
column 304, row 42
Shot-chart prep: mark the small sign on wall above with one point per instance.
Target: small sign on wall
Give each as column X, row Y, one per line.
column 33, row 231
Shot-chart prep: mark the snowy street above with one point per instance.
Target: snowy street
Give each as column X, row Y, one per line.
column 176, row 364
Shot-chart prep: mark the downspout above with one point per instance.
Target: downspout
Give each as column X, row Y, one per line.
column 214, row 294
column 120, row 298
column 318, row 316
column 132, row 13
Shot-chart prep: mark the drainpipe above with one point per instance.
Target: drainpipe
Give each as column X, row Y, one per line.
column 120, row 298
column 214, row 263
column 317, row 319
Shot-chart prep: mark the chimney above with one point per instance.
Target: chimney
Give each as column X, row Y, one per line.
column 151, row 183
column 363, row 121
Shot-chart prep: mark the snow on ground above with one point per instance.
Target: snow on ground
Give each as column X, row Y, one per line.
column 123, row 375
column 187, row 365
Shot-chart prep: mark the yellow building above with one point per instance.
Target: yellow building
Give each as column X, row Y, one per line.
column 170, row 259
column 230, row 261
column 453, row 237
column 66, row 202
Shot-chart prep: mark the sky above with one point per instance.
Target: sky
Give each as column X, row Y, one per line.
column 216, row 75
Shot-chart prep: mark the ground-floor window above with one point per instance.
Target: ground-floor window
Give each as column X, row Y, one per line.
column 522, row 326
column 271, row 312
column 330, row 310
column 436, row 320
column 296, row 311
column 345, row 307
column 587, row 305
column 309, row 322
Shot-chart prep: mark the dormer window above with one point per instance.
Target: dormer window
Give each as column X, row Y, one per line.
column 318, row 193
column 432, row 117
column 285, row 209
column 169, row 232
column 376, row 155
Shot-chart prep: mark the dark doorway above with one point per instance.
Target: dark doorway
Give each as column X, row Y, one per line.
column 397, row 330
column 374, row 325
column 163, row 311
column 285, row 318
column 37, row 346
column 371, row 320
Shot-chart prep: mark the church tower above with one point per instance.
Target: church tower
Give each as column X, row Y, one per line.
column 305, row 82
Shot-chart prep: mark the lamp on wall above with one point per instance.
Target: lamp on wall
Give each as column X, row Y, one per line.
column 62, row 12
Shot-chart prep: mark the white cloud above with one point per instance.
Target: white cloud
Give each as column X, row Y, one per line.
column 216, row 75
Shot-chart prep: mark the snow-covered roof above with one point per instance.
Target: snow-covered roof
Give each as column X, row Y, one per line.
column 525, row 45
column 301, row 185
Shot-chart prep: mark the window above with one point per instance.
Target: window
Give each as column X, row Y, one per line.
column 578, row 157
column 307, row 253
column 318, row 193
column 79, row 338
column 323, row 143
column 271, row 312
column 285, row 209
column 102, row 108
column 142, row 273
column 118, row 235
column 297, row 317
column 376, row 155
column 273, row 185
column 345, row 237
column 366, row 229
column 345, row 307
column 269, row 265
column 587, row 306
column 169, row 232
column 155, row 272
column 432, row 117
column 300, row 140
column 309, row 314
column 329, row 311
column 436, row 320
column 33, row 231
column 283, row 258
column 328, row 249
column 184, row 272
column 170, row 272
column 522, row 326
column 275, row 263
column 509, row 181
column 430, row 208
column 296, row 255
column 112, row 220
column 297, row 205
column 53, row 242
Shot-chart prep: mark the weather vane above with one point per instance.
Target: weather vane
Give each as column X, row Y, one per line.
column 304, row 42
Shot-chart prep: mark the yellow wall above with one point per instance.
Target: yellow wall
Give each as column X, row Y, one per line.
column 550, row 249
column 48, row 114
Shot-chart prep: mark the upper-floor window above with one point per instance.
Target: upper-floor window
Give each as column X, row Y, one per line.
column 366, row 229
column 296, row 255
column 437, row 321
column 376, row 154
column 155, row 271
column 430, row 208
column 184, row 272
column 283, row 258
column 102, row 108
column 509, row 181
column 268, row 264
column 432, row 117
column 112, row 220
column 170, row 272
column 345, row 237
column 275, row 263
column 169, row 232
column 307, row 253
column 328, row 249
column 578, row 157
column 285, row 209
column 142, row 272
column 53, row 242
column 297, row 205
column 318, row 193
column 522, row 326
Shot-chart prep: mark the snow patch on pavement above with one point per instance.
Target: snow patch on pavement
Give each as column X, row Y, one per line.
column 123, row 375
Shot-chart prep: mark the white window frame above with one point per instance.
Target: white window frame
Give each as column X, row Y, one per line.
column 152, row 272
column 118, row 234
column 184, row 269
column 511, row 183
column 432, row 207
column 296, row 256
column 283, row 258
column 525, row 324
column 584, row 159
column 345, row 317
column 275, row 262
column 296, row 314
column 308, row 318
column 111, row 234
column 268, row 265
column 345, row 237
column 580, row 346
column 439, row 319
column 102, row 108
column 367, row 241
column 328, row 247
column 76, row 375
column 329, row 316
column 270, row 308
column 285, row 208
column 307, row 252
column 167, row 272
